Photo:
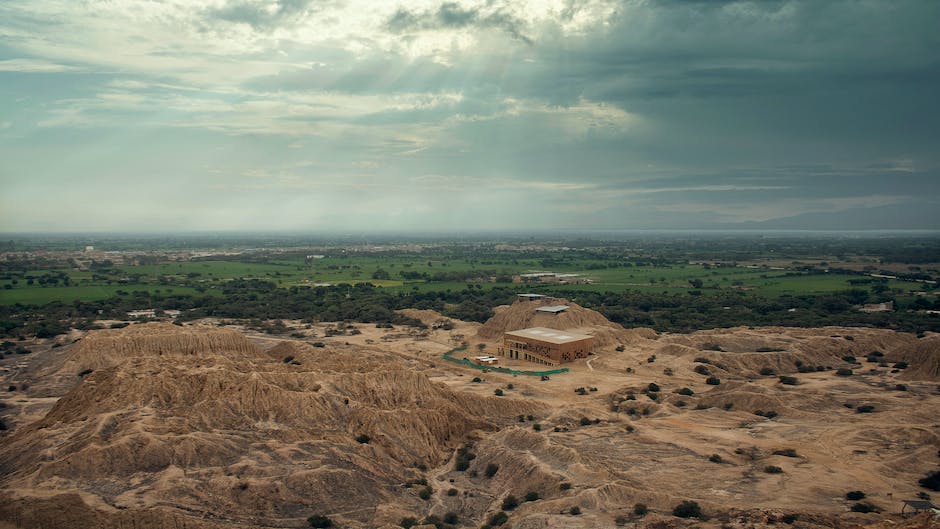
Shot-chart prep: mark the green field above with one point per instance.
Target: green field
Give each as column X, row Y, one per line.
column 42, row 295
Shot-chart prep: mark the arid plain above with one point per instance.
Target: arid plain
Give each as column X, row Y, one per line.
column 209, row 425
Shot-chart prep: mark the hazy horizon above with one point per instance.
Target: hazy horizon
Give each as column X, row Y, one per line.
column 296, row 116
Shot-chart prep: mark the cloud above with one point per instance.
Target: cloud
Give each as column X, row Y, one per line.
column 452, row 15
column 35, row 66
column 265, row 14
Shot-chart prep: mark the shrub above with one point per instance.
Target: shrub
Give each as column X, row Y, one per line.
column 767, row 371
column 640, row 509
column 653, row 387
column 865, row 409
column 900, row 387
column 715, row 458
column 621, row 520
column 713, row 381
column 464, row 457
column 498, row 392
column 844, row 372
column 498, row 519
column 702, row 370
column 84, row 372
column 319, row 521
column 901, row 365
column 789, row 381
column 864, row 507
column 532, row 496
column 575, row 511
column 850, row 359
column 687, row 509
column 510, row 502
column 491, row 470
column 855, row 495
column 318, row 344
column 537, row 427
column 786, row 452
column 620, row 348
column 686, row 391
column 564, row 486
column 451, row 518
column 585, row 421
column 477, row 380
column 789, row 518
column 931, row 481
column 451, row 492
column 363, row 438
column 408, row 523
column 773, row 469
column 425, row 493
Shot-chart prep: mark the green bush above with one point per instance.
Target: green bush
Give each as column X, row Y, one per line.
column 686, row 391
column 498, row 519
column 768, row 371
column 864, row 507
column 451, row 518
column 773, row 469
column 713, row 381
column 715, row 458
column 491, row 470
column 789, row 381
column 408, row 522
column 509, row 503
column 451, row 492
column 319, row 521
column 786, row 452
column 532, row 496
column 363, row 438
column 564, row 486
column 687, row 509
column 855, row 495
column 498, row 392
column 930, row 481
column 844, row 372
column 640, row 509
column 575, row 511
column 585, row 421
column 425, row 493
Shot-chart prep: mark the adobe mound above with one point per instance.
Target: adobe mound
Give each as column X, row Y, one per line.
column 229, row 429
column 522, row 315
column 923, row 358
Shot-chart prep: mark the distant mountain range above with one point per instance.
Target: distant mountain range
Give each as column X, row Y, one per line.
column 893, row 217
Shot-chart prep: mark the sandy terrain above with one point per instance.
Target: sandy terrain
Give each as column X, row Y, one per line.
column 209, row 426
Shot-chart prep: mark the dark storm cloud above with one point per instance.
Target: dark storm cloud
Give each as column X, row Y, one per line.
column 451, row 15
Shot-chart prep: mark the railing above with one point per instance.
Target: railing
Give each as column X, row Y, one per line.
column 449, row 357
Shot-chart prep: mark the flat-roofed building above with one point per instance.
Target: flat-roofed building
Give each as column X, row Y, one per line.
column 486, row 360
column 545, row 346
column 552, row 309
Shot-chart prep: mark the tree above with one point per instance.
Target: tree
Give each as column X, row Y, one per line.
column 319, row 521
column 687, row 509
column 510, row 502
column 491, row 470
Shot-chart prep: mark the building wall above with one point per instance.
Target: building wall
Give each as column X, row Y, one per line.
column 542, row 352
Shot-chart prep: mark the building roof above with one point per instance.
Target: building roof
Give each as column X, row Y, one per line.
column 486, row 358
column 554, row 309
column 548, row 335
column 920, row 505
column 531, row 296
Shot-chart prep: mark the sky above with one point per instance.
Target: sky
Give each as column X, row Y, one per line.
column 320, row 115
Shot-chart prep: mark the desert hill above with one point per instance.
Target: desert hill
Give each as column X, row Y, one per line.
column 203, row 427
column 203, row 423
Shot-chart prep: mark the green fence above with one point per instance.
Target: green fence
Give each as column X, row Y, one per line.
column 449, row 357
